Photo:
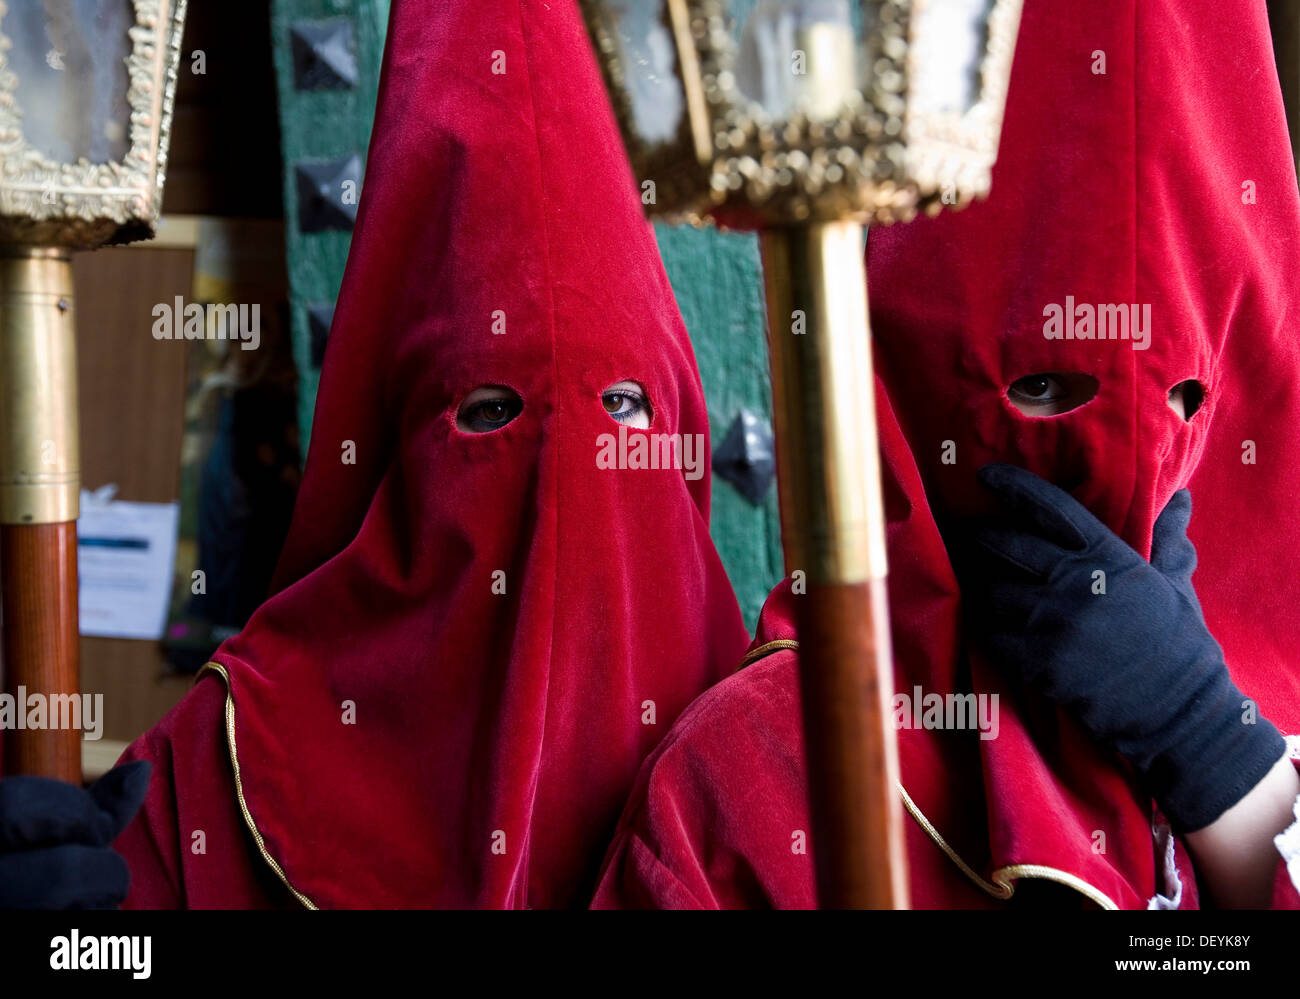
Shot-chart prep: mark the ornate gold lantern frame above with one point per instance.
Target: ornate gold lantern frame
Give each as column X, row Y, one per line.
column 880, row 158
column 83, row 205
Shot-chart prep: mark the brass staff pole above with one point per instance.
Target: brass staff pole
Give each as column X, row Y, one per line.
column 805, row 119
column 39, row 496
column 832, row 525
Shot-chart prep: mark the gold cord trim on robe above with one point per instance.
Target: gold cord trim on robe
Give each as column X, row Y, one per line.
column 754, row 655
column 239, row 787
column 1002, row 887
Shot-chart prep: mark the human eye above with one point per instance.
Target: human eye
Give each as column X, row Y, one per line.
column 1051, row 393
column 488, row 408
column 1039, row 390
column 625, row 402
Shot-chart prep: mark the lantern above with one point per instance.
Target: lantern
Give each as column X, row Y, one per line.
column 86, row 92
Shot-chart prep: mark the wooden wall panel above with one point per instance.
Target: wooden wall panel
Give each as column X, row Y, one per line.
column 132, row 396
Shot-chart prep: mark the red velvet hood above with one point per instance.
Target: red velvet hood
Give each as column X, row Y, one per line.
column 1165, row 181
column 406, row 734
column 1123, row 187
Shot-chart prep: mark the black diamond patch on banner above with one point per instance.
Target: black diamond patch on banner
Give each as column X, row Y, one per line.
column 745, row 457
column 328, row 192
column 324, row 54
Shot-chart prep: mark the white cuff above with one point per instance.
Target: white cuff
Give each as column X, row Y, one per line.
column 1173, row 884
column 1288, row 840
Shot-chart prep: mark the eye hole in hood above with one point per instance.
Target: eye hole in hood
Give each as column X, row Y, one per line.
column 1186, row 398
column 488, row 408
column 626, row 403
column 1052, row 393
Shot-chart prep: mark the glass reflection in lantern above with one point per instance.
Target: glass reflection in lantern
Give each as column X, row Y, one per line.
column 69, row 60
column 649, row 60
column 956, row 34
column 798, row 56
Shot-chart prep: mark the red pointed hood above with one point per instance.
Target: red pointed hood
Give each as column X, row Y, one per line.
column 1145, row 163
column 406, row 733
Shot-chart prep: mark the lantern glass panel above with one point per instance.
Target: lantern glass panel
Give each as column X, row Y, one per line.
column 800, row 55
column 648, row 57
column 69, row 58
column 950, row 36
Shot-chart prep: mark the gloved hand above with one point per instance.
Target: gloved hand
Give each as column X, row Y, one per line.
column 1135, row 663
column 55, row 836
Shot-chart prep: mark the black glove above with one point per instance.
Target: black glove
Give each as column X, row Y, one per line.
column 1136, row 664
column 55, row 836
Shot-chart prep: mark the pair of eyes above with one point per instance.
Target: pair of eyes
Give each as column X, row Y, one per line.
column 1056, row 392
column 491, row 407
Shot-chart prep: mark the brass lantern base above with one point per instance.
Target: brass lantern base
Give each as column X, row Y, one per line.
column 40, row 470
column 823, row 390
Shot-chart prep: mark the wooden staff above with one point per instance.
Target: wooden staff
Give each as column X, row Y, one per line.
column 39, row 487
column 832, row 526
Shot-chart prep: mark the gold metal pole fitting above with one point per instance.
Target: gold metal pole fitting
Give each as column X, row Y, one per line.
column 40, row 465
column 824, row 401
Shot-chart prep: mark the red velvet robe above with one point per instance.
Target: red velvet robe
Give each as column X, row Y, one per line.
column 719, row 817
column 190, row 848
